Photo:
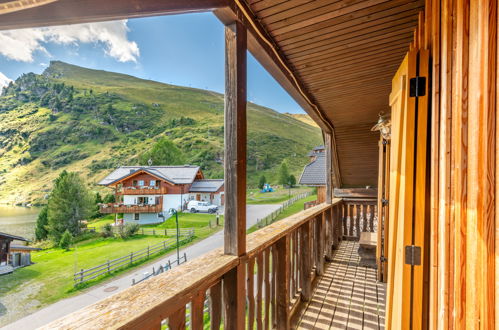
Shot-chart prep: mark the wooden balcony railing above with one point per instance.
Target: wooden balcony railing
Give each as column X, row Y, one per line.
column 121, row 208
column 146, row 190
column 358, row 215
column 280, row 265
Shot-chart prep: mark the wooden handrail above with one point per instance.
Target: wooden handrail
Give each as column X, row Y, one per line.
column 283, row 254
column 267, row 236
column 146, row 304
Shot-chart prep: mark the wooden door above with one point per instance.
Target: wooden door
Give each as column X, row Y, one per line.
column 409, row 198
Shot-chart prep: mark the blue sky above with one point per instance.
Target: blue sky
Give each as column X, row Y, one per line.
column 185, row 50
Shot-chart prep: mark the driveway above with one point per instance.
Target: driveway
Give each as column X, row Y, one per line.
column 69, row 305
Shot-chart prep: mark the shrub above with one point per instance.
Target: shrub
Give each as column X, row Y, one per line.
column 107, row 230
column 66, row 240
column 132, row 229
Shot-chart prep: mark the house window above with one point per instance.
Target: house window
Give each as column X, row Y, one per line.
column 134, row 183
column 141, row 183
column 152, row 183
column 136, row 216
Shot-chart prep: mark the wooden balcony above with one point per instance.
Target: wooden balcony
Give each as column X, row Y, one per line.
column 121, row 208
column 146, row 190
column 292, row 268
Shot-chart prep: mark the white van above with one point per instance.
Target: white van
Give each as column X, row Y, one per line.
column 197, row 206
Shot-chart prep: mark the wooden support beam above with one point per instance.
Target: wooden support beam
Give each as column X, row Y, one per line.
column 235, row 139
column 319, row 236
column 87, row 11
column 283, row 317
column 235, row 172
column 329, row 170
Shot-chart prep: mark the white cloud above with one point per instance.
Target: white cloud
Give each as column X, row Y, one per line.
column 20, row 45
column 4, row 81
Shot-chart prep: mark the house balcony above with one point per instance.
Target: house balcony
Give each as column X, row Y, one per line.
column 122, row 208
column 300, row 272
column 144, row 190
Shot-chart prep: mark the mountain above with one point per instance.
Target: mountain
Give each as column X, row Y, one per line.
column 303, row 117
column 91, row 121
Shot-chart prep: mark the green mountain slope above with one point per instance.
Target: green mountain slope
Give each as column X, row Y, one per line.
column 92, row 121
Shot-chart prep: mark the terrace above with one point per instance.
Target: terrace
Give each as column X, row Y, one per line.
column 434, row 169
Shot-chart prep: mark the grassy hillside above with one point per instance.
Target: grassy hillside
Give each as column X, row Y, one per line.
column 304, row 118
column 92, row 121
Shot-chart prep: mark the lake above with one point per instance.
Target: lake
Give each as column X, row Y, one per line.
column 18, row 221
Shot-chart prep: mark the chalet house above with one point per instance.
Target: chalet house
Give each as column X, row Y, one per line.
column 13, row 255
column 145, row 194
column 432, row 65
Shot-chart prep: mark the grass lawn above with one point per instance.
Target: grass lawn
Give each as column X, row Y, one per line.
column 101, row 222
column 254, row 196
column 292, row 209
column 51, row 277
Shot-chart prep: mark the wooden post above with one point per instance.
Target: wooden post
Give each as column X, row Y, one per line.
column 306, row 265
column 235, row 172
column 283, row 319
column 319, row 235
column 329, row 184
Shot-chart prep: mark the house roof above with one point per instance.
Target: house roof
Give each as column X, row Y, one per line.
column 19, row 238
column 183, row 174
column 206, row 185
column 24, row 248
column 314, row 173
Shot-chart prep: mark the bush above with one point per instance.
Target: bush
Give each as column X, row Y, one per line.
column 132, row 229
column 107, row 230
column 66, row 240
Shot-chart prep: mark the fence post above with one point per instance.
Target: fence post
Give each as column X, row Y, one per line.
column 185, row 257
column 108, row 269
column 81, row 276
column 169, row 264
column 148, row 251
column 164, row 245
column 131, row 257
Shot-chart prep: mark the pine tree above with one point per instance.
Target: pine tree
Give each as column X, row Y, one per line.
column 164, row 152
column 41, row 231
column 262, row 182
column 283, row 173
column 66, row 240
column 70, row 202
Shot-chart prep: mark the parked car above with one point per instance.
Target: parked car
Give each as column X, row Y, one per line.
column 197, row 206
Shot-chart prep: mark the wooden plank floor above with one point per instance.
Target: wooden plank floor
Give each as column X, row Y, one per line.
column 347, row 296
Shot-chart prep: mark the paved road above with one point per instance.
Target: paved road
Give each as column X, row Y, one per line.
column 91, row 296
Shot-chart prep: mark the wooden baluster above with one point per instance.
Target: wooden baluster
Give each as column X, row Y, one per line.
column 176, row 321
column 259, row 281
column 329, row 234
column 371, row 219
column 292, row 265
column 197, row 310
column 250, row 276
column 319, row 227
column 273, row 289
column 282, row 295
column 357, row 220
column 216, row 306
column 344, row 219
column 350, row 219
column 364, row 217
column 267, row 288
column 306, row 265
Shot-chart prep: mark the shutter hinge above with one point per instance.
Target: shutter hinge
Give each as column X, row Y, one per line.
column 384, row 202
column 382, row 259
column 417, row 86
column 413, row 255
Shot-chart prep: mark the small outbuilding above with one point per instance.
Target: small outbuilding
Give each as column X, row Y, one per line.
column 314, row 173
column 13, row 255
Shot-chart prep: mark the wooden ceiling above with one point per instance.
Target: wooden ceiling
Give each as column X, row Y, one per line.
column 345, row 54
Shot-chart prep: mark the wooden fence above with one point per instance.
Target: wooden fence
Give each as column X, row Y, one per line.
column 161, row 269
column 271, row 217
column 111, row 265
column 358, row 216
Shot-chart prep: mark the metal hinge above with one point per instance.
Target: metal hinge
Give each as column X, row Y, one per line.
column 417, row 86
column 413, row 255
column 384, row 202
column 383, row 259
